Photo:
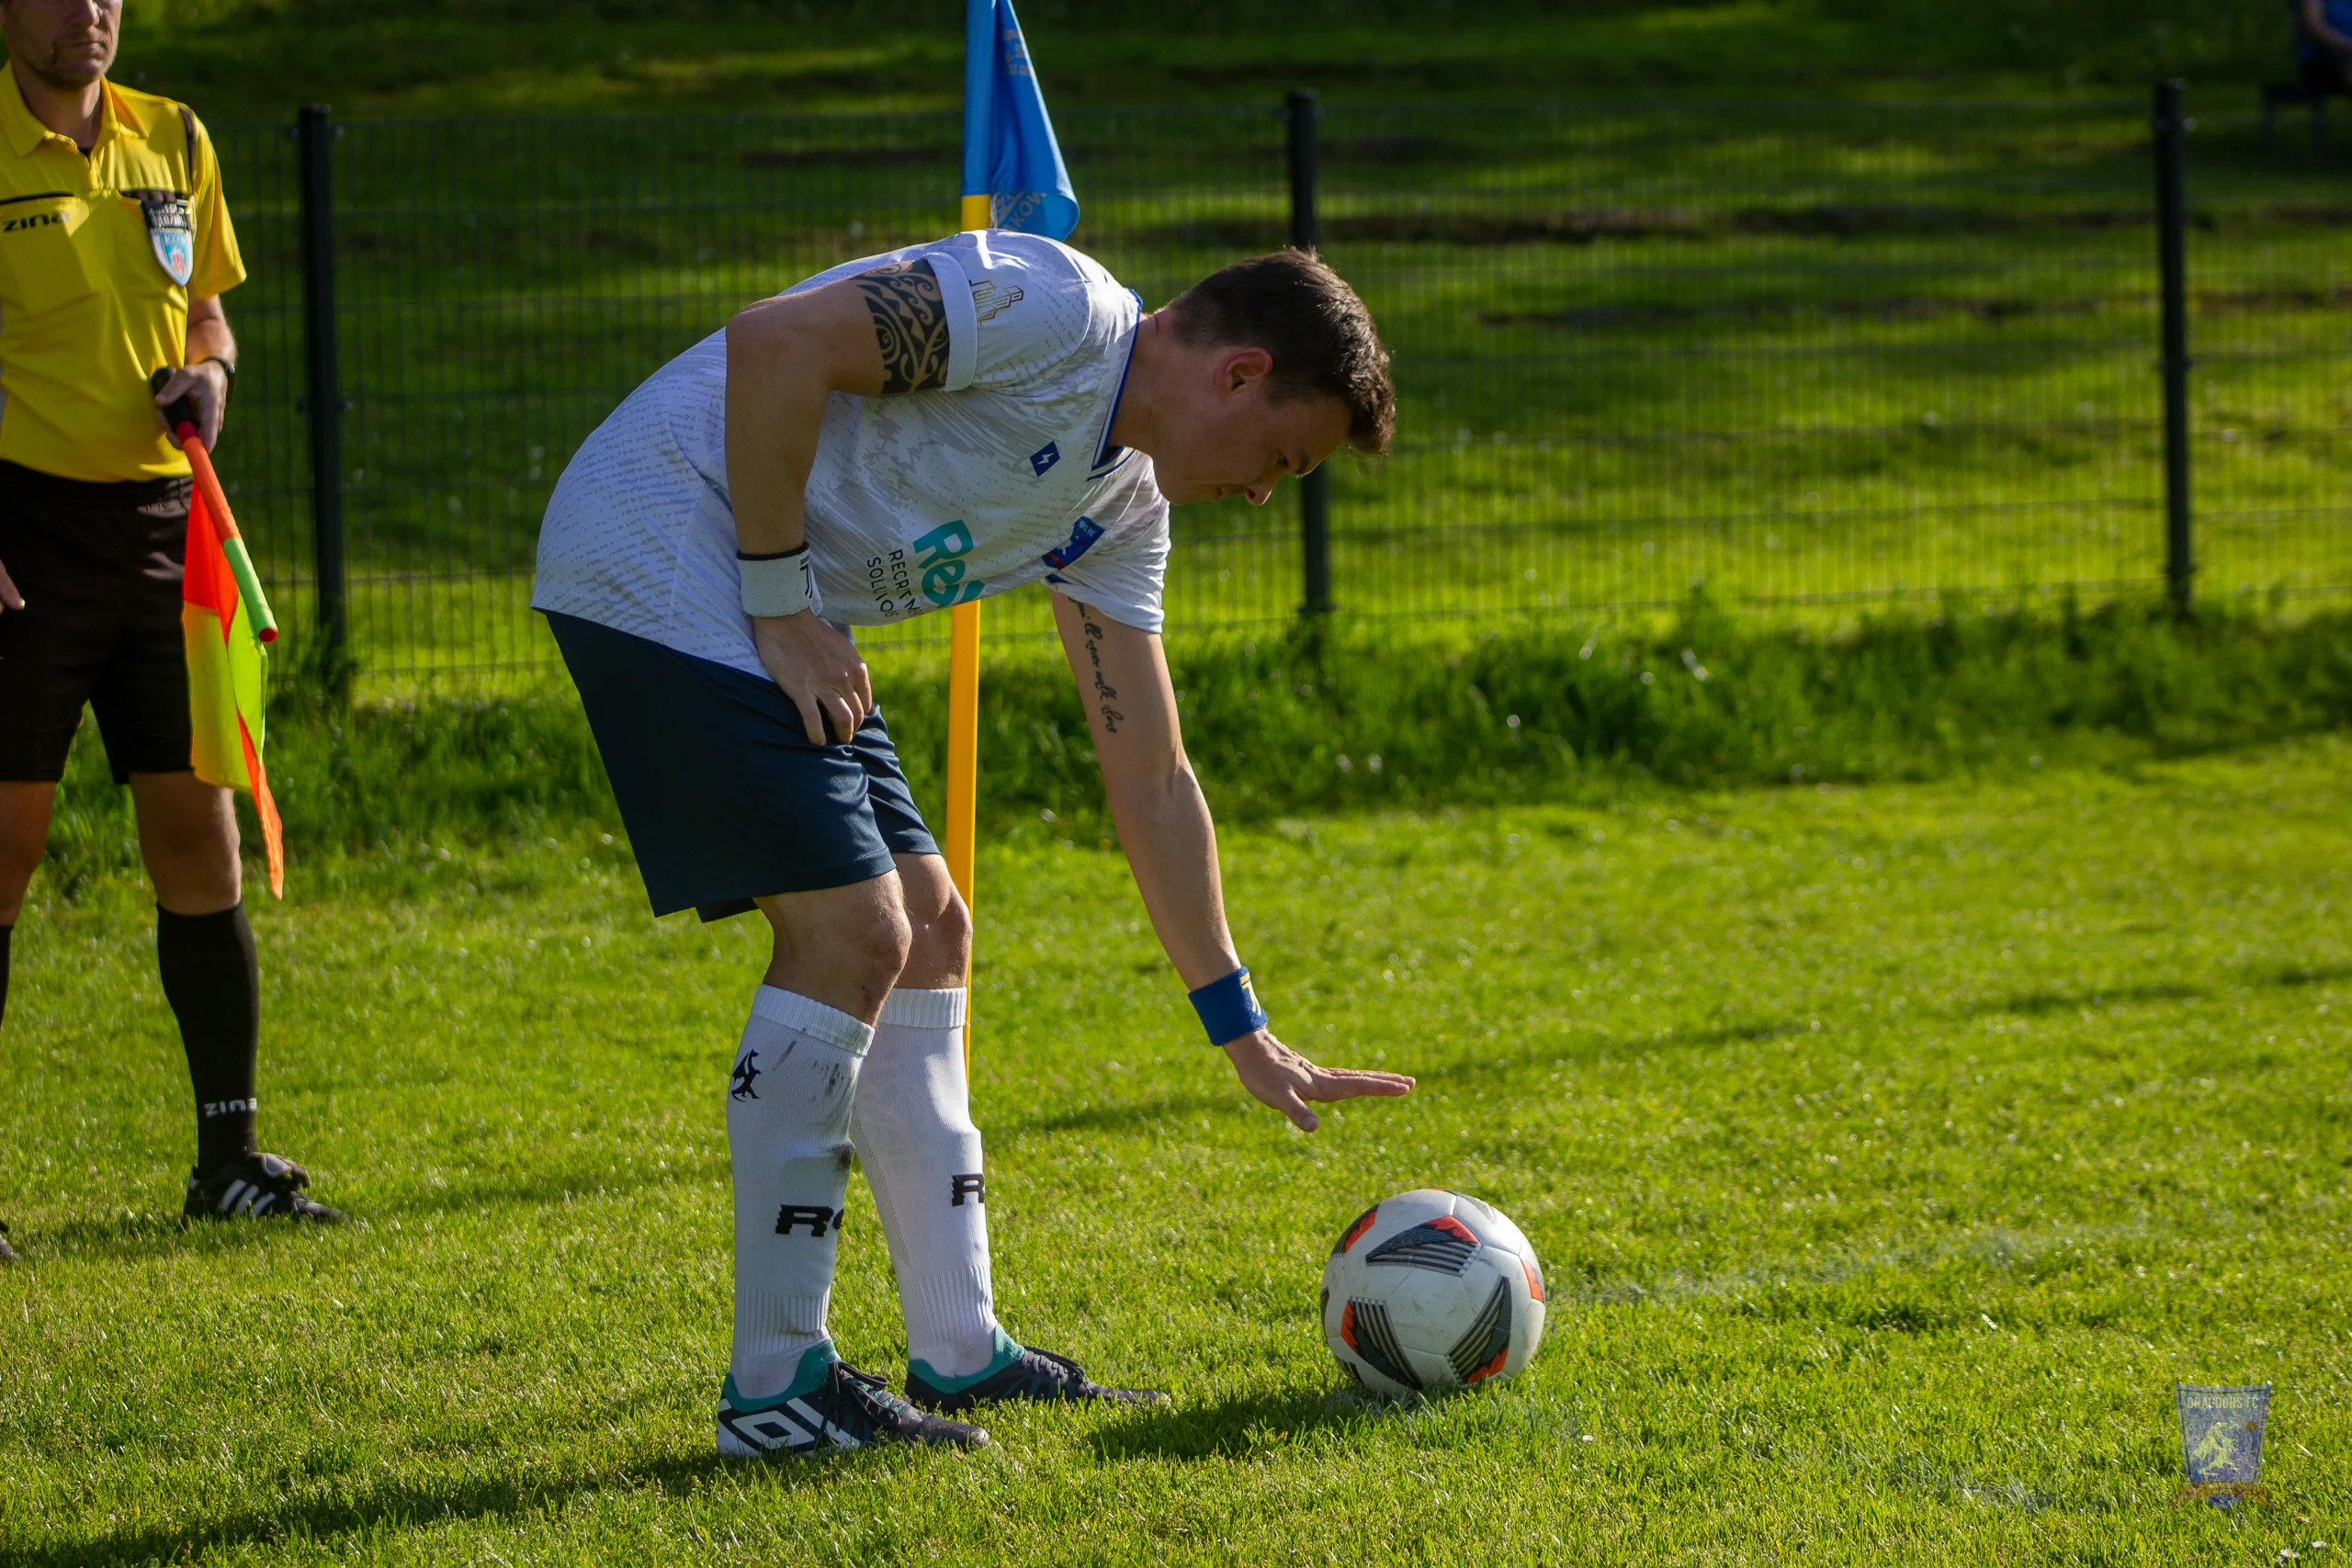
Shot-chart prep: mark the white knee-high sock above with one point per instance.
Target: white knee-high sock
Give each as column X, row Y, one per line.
column 914, row 1135
column 787, row 1139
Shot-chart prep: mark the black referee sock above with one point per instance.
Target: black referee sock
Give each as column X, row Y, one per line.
column 213, row 982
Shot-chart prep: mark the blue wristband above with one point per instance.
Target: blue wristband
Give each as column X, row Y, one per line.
column 1228, row 1008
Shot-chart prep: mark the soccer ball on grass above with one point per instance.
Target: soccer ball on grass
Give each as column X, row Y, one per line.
column 1431, row 1291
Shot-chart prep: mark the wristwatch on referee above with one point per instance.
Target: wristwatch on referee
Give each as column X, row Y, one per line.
column 228, row 368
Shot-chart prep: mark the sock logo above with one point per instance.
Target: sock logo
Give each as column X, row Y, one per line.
column 975, row 1186
column 744, row 1073
column 816, row 1217
column 211, row 1108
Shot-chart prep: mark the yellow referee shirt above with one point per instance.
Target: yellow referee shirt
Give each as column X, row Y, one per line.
column 100, row 257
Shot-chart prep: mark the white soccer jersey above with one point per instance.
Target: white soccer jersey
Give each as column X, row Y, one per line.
column 916, row 502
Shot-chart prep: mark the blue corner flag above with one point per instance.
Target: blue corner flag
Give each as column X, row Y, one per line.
column 1009, row 153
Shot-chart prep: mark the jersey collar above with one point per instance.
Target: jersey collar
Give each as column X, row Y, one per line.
column 1106, row 455
column 118, row 116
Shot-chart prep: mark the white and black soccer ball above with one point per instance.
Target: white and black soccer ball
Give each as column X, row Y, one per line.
column 1431, row 1291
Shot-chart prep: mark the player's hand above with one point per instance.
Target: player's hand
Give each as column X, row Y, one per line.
column 819, row 669
column 207, row 383
column 1286, row 1080
column 9, row 598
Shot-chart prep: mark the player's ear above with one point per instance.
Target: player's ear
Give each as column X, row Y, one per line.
column 1238, row 369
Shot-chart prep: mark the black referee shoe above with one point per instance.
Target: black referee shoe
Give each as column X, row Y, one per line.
column 8, row 1253
column 258, row 1187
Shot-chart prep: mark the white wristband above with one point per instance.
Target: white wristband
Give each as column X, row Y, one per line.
column 776, row 586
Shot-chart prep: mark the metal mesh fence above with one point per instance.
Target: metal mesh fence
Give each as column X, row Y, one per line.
column 1796, row 356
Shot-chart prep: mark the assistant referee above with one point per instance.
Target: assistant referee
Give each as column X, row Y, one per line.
column 115, row 249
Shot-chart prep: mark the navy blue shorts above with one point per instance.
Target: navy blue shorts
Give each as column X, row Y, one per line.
column 725, row 799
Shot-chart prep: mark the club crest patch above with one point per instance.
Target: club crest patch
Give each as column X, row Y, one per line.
column 1083, row 535
column 171, row 232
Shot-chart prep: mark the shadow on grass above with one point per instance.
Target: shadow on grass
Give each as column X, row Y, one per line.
column 2038, row 1004
column 402, row 1504
column 130, row 1237
column 1232, row 1428
column 1115, row 1118
column 2315, row 974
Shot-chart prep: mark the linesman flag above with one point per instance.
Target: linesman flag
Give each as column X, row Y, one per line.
column 224, row 621
column 1009, row 155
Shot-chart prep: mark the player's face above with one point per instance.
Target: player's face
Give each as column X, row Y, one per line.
column 1240, row 440
column 66, row 43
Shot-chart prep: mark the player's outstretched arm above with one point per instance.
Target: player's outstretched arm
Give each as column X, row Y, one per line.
column 1171, row 844
column 883, row 331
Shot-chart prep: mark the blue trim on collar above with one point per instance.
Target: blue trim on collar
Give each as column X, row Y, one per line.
column 1109, row 454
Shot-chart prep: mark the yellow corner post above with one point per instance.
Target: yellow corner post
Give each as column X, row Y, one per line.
column 964, row 721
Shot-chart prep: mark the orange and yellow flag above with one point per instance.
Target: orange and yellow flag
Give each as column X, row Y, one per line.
column 226, row 666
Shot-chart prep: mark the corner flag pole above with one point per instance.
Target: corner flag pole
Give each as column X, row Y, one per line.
column 964, row 620
column 1014, row 178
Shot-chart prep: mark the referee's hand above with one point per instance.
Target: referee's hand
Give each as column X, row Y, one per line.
column 9, row 598
column 819, row 669
column 208, row 385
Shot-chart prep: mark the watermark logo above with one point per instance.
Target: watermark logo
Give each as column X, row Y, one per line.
column 2220, row 1442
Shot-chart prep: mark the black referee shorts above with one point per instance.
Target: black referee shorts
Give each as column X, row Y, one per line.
column 99, row 567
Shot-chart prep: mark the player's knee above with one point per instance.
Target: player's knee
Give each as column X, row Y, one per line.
column 877, row 950
column 943, row 941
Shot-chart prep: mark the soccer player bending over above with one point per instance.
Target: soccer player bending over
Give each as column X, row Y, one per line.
column 891, row 438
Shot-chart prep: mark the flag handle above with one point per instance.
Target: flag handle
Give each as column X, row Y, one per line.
column 182, row 415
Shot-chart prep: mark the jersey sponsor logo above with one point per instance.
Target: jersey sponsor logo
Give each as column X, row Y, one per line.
column 988, row 301
column 969, row 1184
column 170, row 231
column 943, row 567
column 890, row 583
column 1083, row 535
column 1044, row 458
column 43, row 220
column 816, row 1216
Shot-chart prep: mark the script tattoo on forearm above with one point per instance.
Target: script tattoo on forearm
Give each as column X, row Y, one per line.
column 909, row 325
column 1105, row 694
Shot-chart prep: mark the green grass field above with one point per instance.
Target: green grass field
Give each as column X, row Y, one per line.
column 1890, row 1153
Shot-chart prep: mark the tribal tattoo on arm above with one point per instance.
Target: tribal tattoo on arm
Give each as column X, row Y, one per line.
column 909, row 325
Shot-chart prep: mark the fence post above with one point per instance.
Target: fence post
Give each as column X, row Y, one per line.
column 2172, row 261
column 1300, row 111
column 315, row 132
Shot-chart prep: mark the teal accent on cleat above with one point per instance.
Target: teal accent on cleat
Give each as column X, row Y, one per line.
column 1007, row 1351
column 831, row 1406
column 1030, row 1374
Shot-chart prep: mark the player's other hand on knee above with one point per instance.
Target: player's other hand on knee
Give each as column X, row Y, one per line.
column 1286, row 1080
column 9, row 598
column 819, row 669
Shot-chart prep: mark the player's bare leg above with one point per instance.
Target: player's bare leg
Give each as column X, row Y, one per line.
column 838, row 950
column 24, row 833
column 921, row 1154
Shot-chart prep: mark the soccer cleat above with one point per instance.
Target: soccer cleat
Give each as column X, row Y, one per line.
column 849, row 1409
column 8, row 1253
column 1028, row 1374
column 260, row 1186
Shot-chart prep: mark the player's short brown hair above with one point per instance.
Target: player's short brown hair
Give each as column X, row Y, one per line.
column 1304, row 314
